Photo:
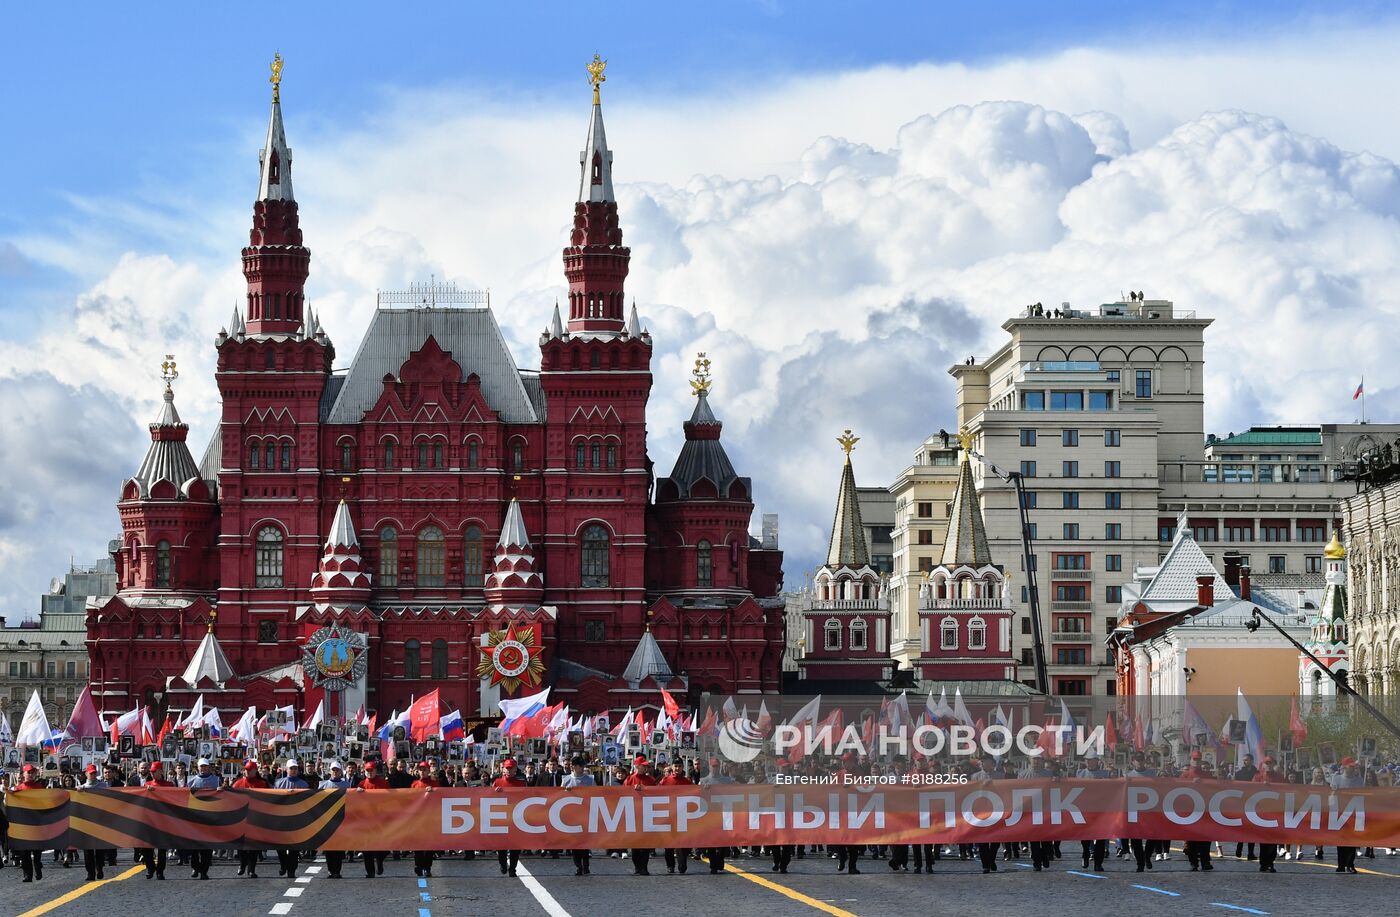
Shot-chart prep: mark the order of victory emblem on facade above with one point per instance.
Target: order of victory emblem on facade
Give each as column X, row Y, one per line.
column 510, row 658
column 335, row 658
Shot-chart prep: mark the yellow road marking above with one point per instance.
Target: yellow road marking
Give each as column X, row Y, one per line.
column 784, row 890
column 1360, row 869
column 78, row 892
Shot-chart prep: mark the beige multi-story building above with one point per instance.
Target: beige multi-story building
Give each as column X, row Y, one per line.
column 1371, row 520
column 50, row 655
column 923, row 494
column 1102, row 413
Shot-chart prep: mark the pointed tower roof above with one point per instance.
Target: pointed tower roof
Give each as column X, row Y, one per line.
column 634, row 327
column 236, row 327
column 595, row 162
column 275, row 159
column 209, row 662
column 342, row 529
column 513, row 532
column 966, row 541
column 556, row 324
column 647, row 661
column 848, row 547
column 703, row 456
column 168, row 458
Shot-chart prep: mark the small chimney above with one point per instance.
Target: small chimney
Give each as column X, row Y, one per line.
column 1233, row 560
column 1205, row 590
column 1244, row 582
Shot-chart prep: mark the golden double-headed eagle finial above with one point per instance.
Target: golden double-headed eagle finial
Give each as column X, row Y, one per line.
column 965, row 437
column 848, row 442
column 167, row 369
column 700, row 381
column 595, row 75
column 276, row 78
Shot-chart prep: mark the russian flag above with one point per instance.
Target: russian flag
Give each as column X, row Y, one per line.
column 452, row 727
column 514, row 708
column 1359, row 389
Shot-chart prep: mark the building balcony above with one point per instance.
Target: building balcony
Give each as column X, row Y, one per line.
column 1064, row 605
column 1071, row 636
column 849, row 605
column 1076, row 575
column 932, row 605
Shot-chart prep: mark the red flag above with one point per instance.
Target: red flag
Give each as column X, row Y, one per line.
column 1296, row 724
column 673, row 709
column 84, row 721
column 531, row 727
column 165, row 730
column 423, row 716
column 1110, row 735
column 709, row 727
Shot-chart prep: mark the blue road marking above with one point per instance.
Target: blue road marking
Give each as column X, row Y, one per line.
column 1238, row 907
column 425, row 896
column 1087, row 875
column 424, row 912
column 1022, row 865
column 1160, row 891
column 422, row 883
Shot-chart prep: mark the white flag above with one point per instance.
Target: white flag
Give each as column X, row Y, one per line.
column 319, row 716
column 34, row 728
column 6, row 737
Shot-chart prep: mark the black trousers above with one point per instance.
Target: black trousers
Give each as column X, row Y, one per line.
column 287, row 858
column 334, row 860
column 1267, row 854
column 1143, row 851
column 846, row 856
column 247, row 861
column 155, row 859
column 508, row 859
column 675, row 856
column 1239, row 850
column 1095, row 850
column 1346, row 857
column 581, row 858
column 374, row 862
column 1041, row 853
column 899, row 856
column 201, row 860
column 925, row 855
column 988, row 855
column 641, row 856
column 423, row 860
column 782, row 857
column 716, row 858
column 94, row 861
column 32, row 862
column 1198, row 854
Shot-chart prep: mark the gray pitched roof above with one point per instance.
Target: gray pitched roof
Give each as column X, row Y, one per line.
column 209, row 662
column 848, row 547
column 966, row 541
column 471, row 336
column 168, row 459
column 1175, row 579
column 702, row 457
column 275, row 146
column 513, row 529
column 597, row 143
column 647, row 661
column 342, row 529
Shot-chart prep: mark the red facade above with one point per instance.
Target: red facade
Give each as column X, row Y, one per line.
column 428, row 437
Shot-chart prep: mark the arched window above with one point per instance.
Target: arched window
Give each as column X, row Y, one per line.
column 268, row 557
column 704, row 564
column 270, row 454
column 254, row 457
column 286, row 456
column 948, row 634
column 473, row 454
column 594, row 556
column 580, row 455
column 976, row 634
column 388, row 557
column 412, row 659
column 439, row 659
column 163, row 565
column 471, row 558
column 430, row 557
column 597, row 454
column 832, row 634
column 423, row 453
column 437, row 456
column 271, row 357
column 388, row 453
column 517, row 456
column 1316, row 683
column 858, row 634
column 347, row 456
column 612, row 455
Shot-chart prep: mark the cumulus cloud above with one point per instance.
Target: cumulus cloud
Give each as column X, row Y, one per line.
column 833, row 245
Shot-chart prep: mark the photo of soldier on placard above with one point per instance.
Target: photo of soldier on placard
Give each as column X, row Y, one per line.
column 1304, row 757
column 189, row 747
column 403, row 749
column 328, row 750
column 169, row 747
column 612, row 753
column 1326, row 754
column 150, row 753
column 576, row 741
column 99, row 745
column 398, row 733
column 355, row 751
column 283, row 750
column 326, row 732
column 1238, row 732
column 362, row 733
column 1285, row 743
column 126, row 747
column 687, row 740
column 11, row 758
column 1368, row 747
column 306, row 740
column 87, row 745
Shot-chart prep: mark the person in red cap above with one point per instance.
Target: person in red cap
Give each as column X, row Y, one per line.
column 373, row 780
column 1198, row 852
column 423, row 859
column 716, row 776
column 153, row 859
column 251, row 780
column 31, row 861
column 93, row 858
column 510, row 778
column 641, row 776
column 675, row 776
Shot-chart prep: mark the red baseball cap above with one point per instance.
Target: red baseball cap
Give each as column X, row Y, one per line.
column 156, row 767
column 90, row 769
column 640, row 759
column 424, row 765
column 250, row 765
column 29, row 769
column 507, row 762
column 371, row 765
column 1348, row 761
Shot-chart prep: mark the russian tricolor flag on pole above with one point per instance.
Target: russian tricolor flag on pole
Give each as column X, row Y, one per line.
column 452, row 727
column 1360, row 389
column 513, row 708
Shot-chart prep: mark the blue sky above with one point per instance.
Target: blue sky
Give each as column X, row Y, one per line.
column 836, row 201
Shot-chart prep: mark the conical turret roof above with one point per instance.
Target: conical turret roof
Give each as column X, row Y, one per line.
column 966, row 542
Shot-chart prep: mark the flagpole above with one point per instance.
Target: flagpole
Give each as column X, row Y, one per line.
column 1363, row 397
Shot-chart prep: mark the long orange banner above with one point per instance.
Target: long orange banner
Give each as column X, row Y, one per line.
column 615, row 817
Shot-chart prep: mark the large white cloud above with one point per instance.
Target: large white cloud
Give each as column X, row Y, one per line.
column 833, row 244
